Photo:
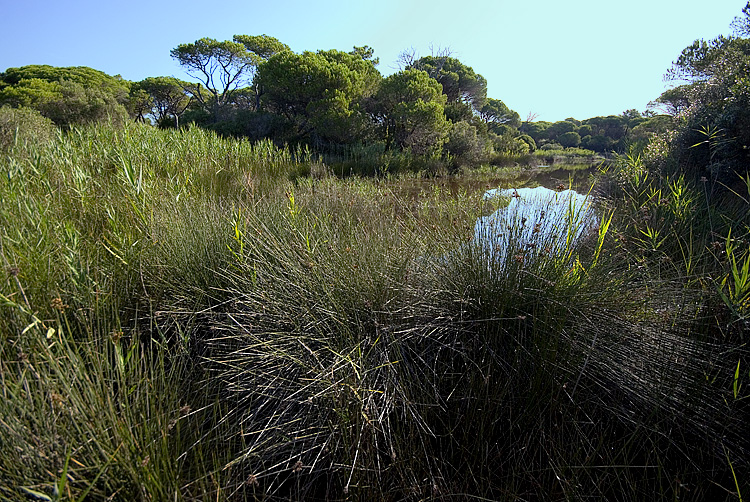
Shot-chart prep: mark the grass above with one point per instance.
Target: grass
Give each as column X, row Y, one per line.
column 566, row 156
column 192, row 318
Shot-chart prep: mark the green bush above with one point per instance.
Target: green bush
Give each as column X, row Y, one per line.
column 569, row 139
column 551, row 146
column 24, row 126
column 464, row 145
column 67, row 96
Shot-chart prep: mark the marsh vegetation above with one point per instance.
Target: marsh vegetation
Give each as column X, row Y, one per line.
column 195, row 317
column 297, row 299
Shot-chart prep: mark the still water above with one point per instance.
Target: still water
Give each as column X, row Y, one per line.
column 531, row 217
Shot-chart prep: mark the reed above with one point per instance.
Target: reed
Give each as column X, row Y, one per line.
column 186, row 317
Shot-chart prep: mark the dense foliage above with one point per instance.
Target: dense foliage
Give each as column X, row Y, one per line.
column 322, row 95
column 711, row 106
column 67, row 96
column 433, row 112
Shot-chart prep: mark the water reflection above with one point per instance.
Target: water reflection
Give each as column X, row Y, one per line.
column 577, row 177
column 574, row 176
column 533, row 218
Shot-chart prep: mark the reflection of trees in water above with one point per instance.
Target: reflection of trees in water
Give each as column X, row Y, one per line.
column 554, row 220
column 575, row 177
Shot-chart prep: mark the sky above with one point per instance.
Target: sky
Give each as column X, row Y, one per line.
column 544, row 58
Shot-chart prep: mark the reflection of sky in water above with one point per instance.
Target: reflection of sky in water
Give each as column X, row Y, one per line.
column 535, row 217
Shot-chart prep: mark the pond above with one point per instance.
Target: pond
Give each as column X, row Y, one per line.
column 576, row 177
column 528, row 218
column 542, row 206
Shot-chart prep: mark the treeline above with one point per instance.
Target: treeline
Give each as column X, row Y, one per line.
column 336, row 102
column 434, row 108
column 600, row 134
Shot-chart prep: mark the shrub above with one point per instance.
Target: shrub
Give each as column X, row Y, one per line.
column 464, row 144
column 78, row 105
column 570, row 139
column 598, row 143
column 19, row 126
column 551, row 146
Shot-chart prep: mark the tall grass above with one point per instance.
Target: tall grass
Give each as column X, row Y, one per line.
column 190, row 318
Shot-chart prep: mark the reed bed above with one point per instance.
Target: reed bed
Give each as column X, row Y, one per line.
column 193, row 318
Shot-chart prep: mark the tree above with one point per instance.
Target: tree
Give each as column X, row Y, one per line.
column 570, row 139
column 459, row 82
column 741, row 24
column 650, row 127
column 673, row 101
column 68, row 96
column 712, row 106
column 167, row 97
column 632, row 116
column 703, row 59
column 409, row 107
column 263, row 46
column 365, row 52
column 88, row 77
column 611, row 126
column 29, row 93
column 559, row 128
column 598, row 143
column 495, row 112
column 221, row 68
column 139, row 103
column 537, row 130
column 323, row 95
column 406, row 58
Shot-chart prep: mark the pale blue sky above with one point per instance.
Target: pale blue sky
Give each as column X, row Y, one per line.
column 580, row 58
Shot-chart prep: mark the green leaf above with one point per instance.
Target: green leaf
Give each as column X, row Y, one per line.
column 35, row 494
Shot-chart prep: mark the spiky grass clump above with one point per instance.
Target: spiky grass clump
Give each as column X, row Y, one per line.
column 359, row 363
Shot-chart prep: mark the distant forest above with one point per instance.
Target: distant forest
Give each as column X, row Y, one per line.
column 435, row 107
column 256, row 87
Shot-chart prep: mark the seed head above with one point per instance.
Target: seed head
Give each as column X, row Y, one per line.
column 57, row 400
column 116, row 335
column 58, row 304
